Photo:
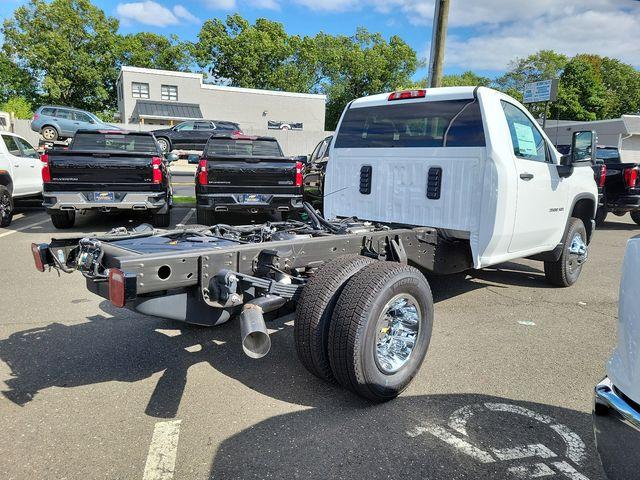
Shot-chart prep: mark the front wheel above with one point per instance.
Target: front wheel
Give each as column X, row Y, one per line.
column 565, row 271
column 164, row 145
column 380, row 330
column 49, row 133
column 635, row 216
column 6, row 207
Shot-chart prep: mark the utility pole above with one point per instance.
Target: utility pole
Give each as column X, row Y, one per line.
column 440, row 20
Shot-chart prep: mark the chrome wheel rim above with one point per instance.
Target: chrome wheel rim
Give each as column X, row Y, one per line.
column 578, row 253
column 163, row 145
column 397, row 333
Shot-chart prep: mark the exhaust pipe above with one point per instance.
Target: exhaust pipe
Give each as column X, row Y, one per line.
column 256, row 342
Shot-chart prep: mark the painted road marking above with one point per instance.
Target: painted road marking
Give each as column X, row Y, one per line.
column 187, row 217
column 457, row 436
column 161, row 460
column 26, row 227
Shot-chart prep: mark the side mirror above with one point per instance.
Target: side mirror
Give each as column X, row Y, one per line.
column 583, row 146
column 171, row 157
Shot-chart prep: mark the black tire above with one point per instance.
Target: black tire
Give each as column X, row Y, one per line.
column 63, row 219
column 49, row 133
column 355, row 327
column 6, row 206
column 315, row 308
column 205, row 216
column 165, row 144
column 601, row 216
column 565, row 271
column 161, row 220
column 635, row 216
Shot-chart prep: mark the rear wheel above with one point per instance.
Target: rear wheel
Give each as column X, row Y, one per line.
column 6, row 207
column 205, row 216
column 635, row 216
column 380, row 330
column 565, row 271
column 315, row 308
column 161, row 220
column 49, row 133
column 63, row 219
column 164, row 144
column 601, row 216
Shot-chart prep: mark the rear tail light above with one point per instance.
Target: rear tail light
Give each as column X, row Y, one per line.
column 603, row 175
column 407, row 94
column 156, row 167
column 122, row 287
column 631, row 177
column 46, row 171
column 39, row 256
column 36, row 116
column 203, row 178
column 298, row 174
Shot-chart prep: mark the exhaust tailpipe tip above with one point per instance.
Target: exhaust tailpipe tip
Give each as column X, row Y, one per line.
column 256, row 342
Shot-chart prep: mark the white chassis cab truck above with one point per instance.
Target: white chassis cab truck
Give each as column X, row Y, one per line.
column 419, row 183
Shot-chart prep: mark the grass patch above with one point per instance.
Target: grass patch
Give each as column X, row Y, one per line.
column 177, row 200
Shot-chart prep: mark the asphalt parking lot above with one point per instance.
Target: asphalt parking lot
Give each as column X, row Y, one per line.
column 91, row 391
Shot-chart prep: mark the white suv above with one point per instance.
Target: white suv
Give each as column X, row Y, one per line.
column 20, row 173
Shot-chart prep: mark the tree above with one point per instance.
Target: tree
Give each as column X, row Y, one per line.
column 467, row 78
column 261, row 55
column 68, row 47
column 19, row 106
column 14, row 81
column 581, row 95
column 363, row 64
column 622, row 83
column 150, row 50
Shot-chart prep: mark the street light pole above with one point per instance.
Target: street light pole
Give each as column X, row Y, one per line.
column 440, row 20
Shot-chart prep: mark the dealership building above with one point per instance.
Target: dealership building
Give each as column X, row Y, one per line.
column 161, row 97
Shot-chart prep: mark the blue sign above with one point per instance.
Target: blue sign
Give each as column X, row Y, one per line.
column 543, row 91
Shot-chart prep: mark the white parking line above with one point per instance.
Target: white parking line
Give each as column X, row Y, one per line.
column 161, row 460
column 26, row 227
column 186, row 218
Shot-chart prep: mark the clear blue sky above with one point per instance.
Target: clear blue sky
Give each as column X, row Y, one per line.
column 484, row 35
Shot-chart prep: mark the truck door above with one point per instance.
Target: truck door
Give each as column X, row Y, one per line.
column 30, row 156
column 540, row 194
column 21, row 167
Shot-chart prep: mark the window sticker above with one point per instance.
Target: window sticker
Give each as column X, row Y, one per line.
column 526, row 142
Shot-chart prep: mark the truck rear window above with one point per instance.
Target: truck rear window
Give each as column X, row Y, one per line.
column 100, row 142
column 451, row 123
column 233, row 147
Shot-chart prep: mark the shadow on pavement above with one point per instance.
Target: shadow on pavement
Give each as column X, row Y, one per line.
column 440, row 437
column 125, row 346
column 618, row 225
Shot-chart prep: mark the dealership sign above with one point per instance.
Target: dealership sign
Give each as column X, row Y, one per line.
column 543, row 91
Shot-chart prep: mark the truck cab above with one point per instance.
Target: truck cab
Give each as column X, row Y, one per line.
column 469, row 161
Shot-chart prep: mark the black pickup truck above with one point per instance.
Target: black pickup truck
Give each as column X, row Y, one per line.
column 246, row 174
column 107, row 171
column 621, row 185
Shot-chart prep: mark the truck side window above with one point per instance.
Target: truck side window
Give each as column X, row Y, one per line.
column 528, row 142
column 27, row 150
column 11, row 145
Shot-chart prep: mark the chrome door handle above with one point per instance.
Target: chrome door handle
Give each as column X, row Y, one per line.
column 526, row 176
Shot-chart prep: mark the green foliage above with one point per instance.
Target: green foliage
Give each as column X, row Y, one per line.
column 467, row 78
column 19, row 106
column 14, row 81
column 69, row 47
column 150, row 50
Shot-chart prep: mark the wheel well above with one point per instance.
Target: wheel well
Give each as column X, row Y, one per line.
column 585, row 210
column 52, row 126
column 5, row 180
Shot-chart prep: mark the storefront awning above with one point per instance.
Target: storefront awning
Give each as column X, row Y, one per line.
column 167, row 110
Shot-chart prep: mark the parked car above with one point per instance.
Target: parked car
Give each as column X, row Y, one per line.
column 239, row 173
column 56, row 123
column 313, row 173
column 616, row 412
column 5, row 121
column 19, row 173
column 621, row 185
column 435, row 181
column 192, row 135
column 107, row 171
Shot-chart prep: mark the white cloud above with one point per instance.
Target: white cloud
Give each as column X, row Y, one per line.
column 265, row 4
column 331, row 5
column 221, row 4
column 152, row 13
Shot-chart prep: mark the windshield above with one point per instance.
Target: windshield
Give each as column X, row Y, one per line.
column 232, row 147
column 101, row 142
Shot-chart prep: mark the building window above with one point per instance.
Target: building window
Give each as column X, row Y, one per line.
column 169, row 92
column 140, row 90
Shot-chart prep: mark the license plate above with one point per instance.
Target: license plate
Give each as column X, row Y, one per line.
column 252, row 198
column 103, row 197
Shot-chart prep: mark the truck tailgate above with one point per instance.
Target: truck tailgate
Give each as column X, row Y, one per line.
column 234, row 172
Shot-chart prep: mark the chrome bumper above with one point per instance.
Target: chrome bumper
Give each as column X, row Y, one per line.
column 616, row 425
column 122, row 201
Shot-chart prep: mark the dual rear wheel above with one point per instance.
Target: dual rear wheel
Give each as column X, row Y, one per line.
column 365, row 324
